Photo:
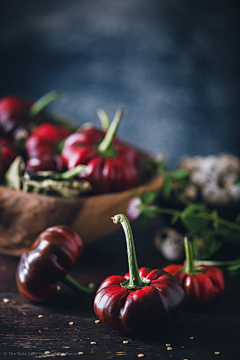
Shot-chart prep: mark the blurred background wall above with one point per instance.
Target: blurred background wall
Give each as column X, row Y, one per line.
column 174, row 66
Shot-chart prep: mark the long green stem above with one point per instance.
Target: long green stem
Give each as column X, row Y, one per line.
column 72, row 283
column 216, row 263
column 106, row 143
column 42, row 102
column 205, row 216
column 73, row 172
column 104, row 119
column 135, row 281
column 189, row 268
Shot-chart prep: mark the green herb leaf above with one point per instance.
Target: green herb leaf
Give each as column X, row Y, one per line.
column 149, row 197
column 179, row 174
column 167, row 186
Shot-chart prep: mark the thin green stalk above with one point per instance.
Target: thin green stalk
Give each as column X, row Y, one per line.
column 135, row 281
column 42, row 102
column 106, row 143
column 73, row 172
column 72, row 283
column 104, row 119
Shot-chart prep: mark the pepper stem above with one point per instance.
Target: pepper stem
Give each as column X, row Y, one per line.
column 75, row 285
column 42, row 102
column 135, row 281
column 189, row 256
column 106, row 143
column 104, row 119
column 74, row 172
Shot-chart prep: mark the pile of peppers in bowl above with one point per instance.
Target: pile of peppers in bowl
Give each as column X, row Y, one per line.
column 44, row 154
column 52, row 154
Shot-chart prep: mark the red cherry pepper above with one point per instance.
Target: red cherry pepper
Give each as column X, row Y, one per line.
column 111, row 164
column 7, row 155
column 16, row 113
column 41, row 148
column 49, row 259
column 141, row 300
column 201, row 284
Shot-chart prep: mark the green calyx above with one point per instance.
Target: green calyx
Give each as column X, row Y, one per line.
column 190, row 267
column 134, row 282
column 105, row 148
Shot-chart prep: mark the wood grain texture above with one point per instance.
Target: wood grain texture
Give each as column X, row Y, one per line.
column 24, row 215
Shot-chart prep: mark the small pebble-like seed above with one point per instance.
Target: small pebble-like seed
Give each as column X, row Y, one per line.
column 191, row 337
column 47, row 352
column 125, row 341
column 80, row 353
column 182, row 347
column 97, row 321
column 66, row 347
column 91, row 285
column 217, row 353
column 40, row 316
column 5, row 300
column 169, row 348
column 58, row 287
column 141, row 355
column 63, row 354
column 71, row 323
column 93, row 343
column 168, row 344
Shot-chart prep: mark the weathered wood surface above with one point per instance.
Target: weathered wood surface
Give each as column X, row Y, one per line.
column 24, row 335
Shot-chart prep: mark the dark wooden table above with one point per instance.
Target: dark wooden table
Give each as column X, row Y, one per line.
column 211, row 333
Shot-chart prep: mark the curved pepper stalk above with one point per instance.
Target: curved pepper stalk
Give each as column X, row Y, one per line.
column 52, row 255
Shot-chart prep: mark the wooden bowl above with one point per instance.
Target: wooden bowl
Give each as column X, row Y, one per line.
column 24, row 215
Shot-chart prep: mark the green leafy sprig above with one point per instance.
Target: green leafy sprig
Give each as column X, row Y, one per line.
column 206, row 228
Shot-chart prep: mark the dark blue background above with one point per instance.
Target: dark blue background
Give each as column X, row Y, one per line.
column 174, row 66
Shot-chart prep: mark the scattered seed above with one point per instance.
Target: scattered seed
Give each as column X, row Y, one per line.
column 125, row 341
column 47, row 352
column 63, row 354
column 168, row 344
column 93, row 343
column 97, row 321
column 217, row 353
column 191, row 337
column 71, row 323
column 80, row 353
column 40, row 316
column 169, row 348
column 66, row 347
column 5, row 300
column 58, row 287
column 182, row 347
column 91, row 285
column 141, row 355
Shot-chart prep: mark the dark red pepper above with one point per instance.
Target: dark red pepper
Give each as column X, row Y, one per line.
column 111, row 164
column 16, row 113
column 140, row 301
column 201, row 283
column 41, row 148
column 7, row 155
column 49, row 259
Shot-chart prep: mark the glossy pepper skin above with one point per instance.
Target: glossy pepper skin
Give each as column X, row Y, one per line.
column 201, row 284
column 141, row 301
column 7, row 155
column 111, row 164
column 16, row 114
column 52, row 255
column 41, row 148
column 13, row 114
